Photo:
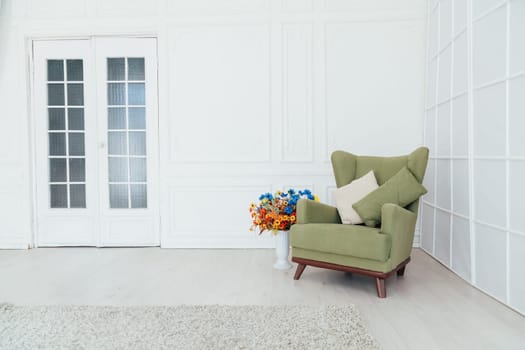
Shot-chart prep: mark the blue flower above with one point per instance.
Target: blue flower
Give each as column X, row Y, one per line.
column 288, row 210
column 266, row 195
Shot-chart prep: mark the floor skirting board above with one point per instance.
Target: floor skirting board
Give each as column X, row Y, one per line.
column 9, row 244
column 251, row 241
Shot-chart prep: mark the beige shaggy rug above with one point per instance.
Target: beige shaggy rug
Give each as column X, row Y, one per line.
column 183, row 327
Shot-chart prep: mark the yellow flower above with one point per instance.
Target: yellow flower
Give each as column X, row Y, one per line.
column 316, row 198
column 265, row 200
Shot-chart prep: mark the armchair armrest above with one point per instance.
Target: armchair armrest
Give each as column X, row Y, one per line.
column 314, row 212
column 400, row 224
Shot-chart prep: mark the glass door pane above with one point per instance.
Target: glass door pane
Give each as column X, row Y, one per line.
column 126, row 122
column 66, row 145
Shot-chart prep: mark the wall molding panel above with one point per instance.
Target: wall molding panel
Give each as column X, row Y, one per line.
column 474, row 145
column 297, row 80
column 205, row 58
column 342, row 68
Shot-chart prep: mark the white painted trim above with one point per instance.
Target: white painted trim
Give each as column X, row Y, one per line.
column 460, row 32
column 444, row 47
column 454, row 37
column 488, row 84
column 433, row 9
column 13, row 245
column 419, row 223
column 486, row 224
column 489, row 11
column 447, row 100
column 470, row 128
column 476, row 221
column 507, row 153
column 436, row 99
column 417, row 237
column 451, row 139
column 309, row 31
column 218, row 242
column 252, row 240
column 38, row 35
column 495, row 158
column 163, row 101
column 32, row 144
column 514, row 232
column 449, row 158
column 516, row 75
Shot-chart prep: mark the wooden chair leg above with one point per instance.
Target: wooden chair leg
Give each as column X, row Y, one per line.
column 401, row 271
column 381, row 288
column 299, row 271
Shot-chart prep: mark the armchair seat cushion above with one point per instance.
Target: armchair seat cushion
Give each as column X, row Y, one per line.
column 348, row 240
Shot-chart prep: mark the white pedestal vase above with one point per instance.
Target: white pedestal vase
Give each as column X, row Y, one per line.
column 282, row 250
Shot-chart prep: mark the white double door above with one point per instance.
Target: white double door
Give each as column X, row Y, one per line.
column 96, row 142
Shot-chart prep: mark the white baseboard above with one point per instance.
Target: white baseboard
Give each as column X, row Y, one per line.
column 221, row 242
column 13, row 244
column 217, row 242
column 205, row 242
column 417, row 240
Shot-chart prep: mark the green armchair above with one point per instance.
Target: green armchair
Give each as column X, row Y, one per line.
column 319, row 239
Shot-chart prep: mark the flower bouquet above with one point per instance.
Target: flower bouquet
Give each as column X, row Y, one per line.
column 276, row 212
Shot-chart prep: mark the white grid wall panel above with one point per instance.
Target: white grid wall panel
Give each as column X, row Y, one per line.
column 485, row 165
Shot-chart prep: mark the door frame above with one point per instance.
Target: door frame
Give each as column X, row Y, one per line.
column 32, row 125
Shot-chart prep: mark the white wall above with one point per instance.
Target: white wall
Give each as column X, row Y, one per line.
column 475, row 118
column 254, row 96
column 15, row 178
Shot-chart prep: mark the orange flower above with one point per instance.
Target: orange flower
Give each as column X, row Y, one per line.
column 277, row 212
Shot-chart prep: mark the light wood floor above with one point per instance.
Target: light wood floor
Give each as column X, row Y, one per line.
column 429, row 308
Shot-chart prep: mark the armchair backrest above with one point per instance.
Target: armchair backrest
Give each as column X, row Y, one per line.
column 348, row 166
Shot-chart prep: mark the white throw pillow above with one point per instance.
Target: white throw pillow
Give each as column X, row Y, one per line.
column 353, row 192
